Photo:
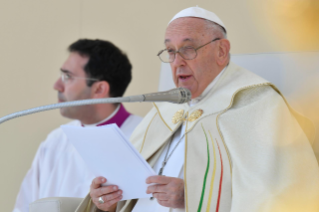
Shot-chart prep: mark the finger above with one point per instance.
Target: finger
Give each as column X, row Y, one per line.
column 158, row 179
column 113, row 201
column 161, row 196
column 104, row 190
column 96, row 182
column 164, row 203
column 110, row 203
column 157, row 188
column 111, row 196
column 107, row 206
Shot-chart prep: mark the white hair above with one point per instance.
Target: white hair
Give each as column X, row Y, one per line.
column 215, row 29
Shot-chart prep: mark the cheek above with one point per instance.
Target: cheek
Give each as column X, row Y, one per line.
column 195, row 70
column 173, row 72
column 70, row 93
column 201, row 69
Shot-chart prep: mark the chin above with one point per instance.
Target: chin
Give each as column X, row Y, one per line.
column 65, row 113
column 188, row 87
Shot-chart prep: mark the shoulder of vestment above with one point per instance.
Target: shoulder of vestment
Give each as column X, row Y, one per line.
column 137, row 135
column 233, row 80
column 56, row 136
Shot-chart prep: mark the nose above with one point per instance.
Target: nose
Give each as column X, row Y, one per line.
column 178, row 61
column 58, row 85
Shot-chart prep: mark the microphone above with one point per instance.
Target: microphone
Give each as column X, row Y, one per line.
column 177, row 95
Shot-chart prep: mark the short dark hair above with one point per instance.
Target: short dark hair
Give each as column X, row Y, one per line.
column 106, row 63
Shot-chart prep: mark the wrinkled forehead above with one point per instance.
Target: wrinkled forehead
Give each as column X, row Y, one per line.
column 187, row 28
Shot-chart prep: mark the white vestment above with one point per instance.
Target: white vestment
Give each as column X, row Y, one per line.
column 245, row 149
column 58, row 170
column 175, row 164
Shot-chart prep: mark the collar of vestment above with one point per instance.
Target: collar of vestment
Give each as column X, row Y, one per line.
column 207, row 89
column 118, row 117
column 219, row 98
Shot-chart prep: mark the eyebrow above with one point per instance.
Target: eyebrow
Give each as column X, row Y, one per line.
column 65, row 71
column 184, row 40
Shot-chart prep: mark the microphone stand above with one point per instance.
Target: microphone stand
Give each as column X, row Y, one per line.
column 178, row 95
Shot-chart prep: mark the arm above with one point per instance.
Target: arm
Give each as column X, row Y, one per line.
column 29, row 190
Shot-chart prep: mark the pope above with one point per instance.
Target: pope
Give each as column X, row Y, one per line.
column 236, row 146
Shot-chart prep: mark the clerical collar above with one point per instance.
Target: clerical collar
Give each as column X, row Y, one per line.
column 206, row 91
column 118, row 117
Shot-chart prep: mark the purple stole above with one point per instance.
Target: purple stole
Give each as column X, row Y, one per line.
column 118, row 119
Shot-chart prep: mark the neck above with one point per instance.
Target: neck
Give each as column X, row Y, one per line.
column 118, row 117
column 207, row 89
column 99, row 113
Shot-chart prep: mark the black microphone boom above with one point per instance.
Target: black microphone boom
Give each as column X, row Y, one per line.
column 177, row 95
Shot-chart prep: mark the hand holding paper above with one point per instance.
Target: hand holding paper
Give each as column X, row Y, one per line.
column 110, row 194
column 169, row 191
column 108, row 153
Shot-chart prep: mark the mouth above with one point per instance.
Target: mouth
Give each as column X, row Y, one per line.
column 60, row 98
column 184, row 77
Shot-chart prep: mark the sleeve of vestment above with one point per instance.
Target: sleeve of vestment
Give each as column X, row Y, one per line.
column 273, row 164
column 29, row 190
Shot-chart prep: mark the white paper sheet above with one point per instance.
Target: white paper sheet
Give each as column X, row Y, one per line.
column 108, row 153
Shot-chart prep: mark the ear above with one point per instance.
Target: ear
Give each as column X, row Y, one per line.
column 223, row 52
column 100, row 89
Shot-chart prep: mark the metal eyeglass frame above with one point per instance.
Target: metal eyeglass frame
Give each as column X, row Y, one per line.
column 195, row 49
column 65, row 78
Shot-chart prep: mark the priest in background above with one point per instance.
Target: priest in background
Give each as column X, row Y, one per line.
column 236, row 146
column 94, row 69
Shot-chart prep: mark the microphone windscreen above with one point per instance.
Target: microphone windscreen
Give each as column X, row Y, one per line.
column 186, row 95
column 177, row 95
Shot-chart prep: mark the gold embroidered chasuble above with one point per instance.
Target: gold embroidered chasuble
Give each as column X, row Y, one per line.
column 245, row 149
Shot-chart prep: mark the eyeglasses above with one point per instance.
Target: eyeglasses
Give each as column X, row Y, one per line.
column 65, row 77
column 187, row 53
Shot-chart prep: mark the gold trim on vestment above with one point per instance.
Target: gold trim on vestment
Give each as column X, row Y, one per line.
column 185, row 165
column 226, row 148
column 198, row 121
column 218, row 128
column 213, row 176
column 161, row 117
column 146, row 132
column 88, row 207
column 178, row 116
column 195, row 115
